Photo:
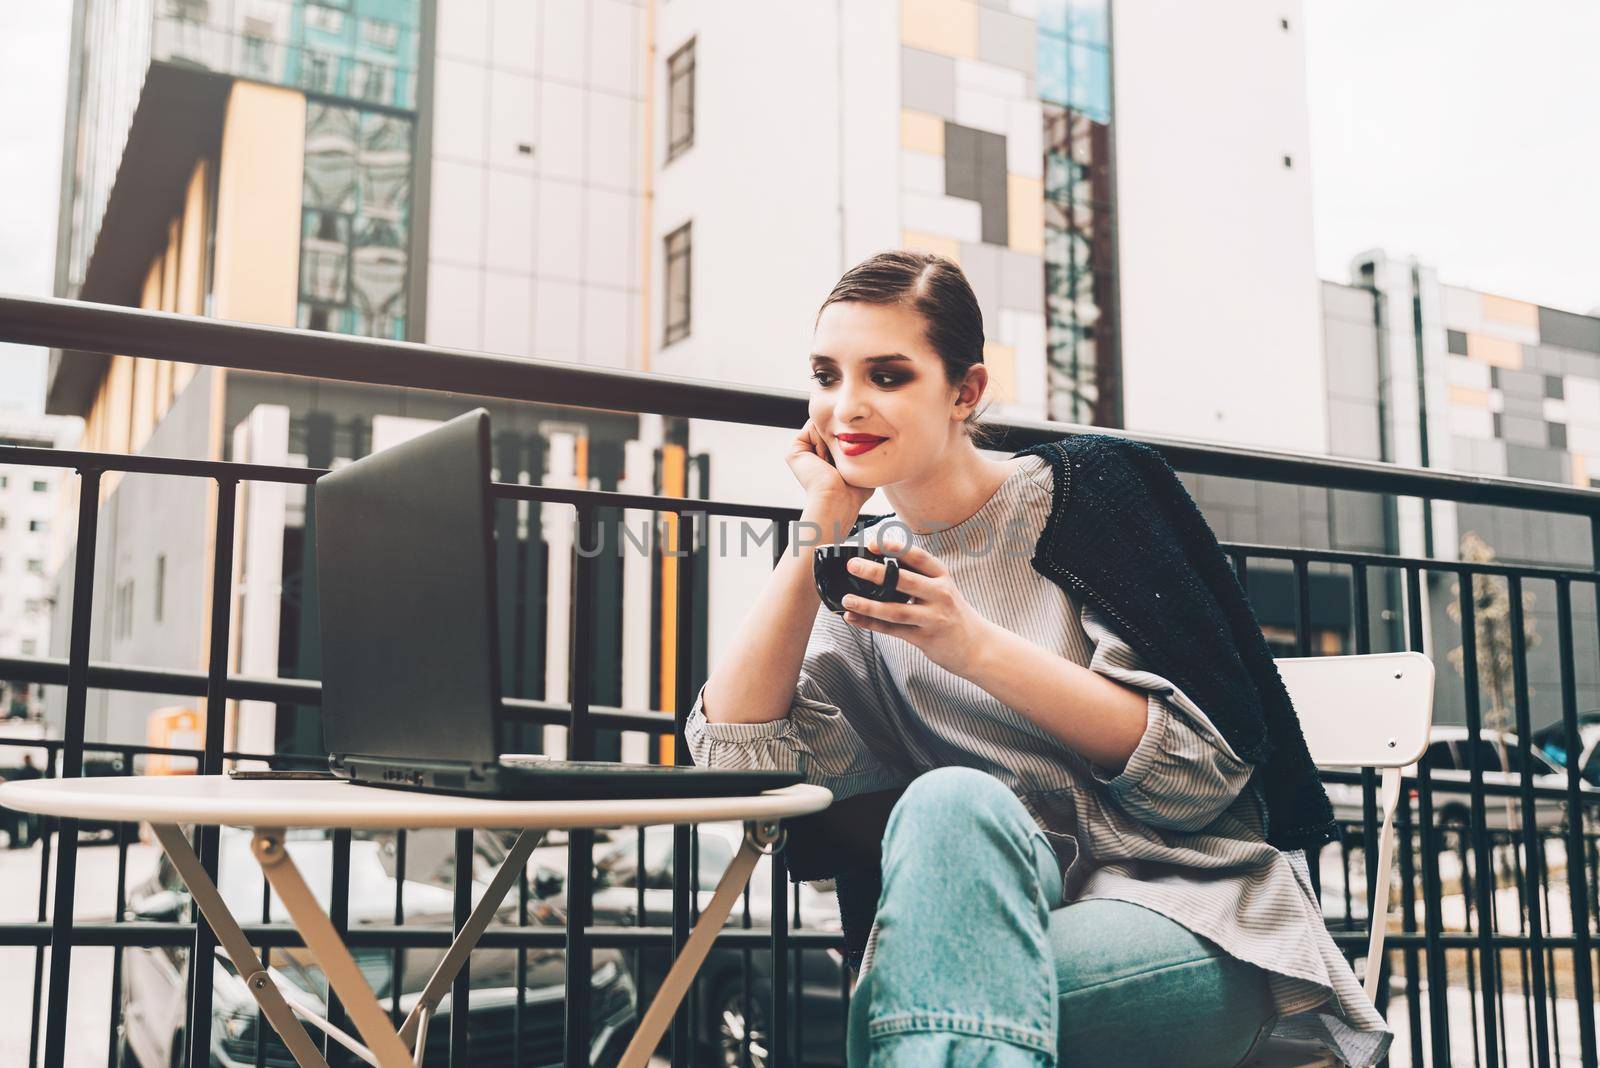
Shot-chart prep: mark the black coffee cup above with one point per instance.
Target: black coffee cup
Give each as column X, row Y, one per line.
column 834, row 580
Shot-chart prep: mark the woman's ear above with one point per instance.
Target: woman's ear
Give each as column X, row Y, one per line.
column 971, row 390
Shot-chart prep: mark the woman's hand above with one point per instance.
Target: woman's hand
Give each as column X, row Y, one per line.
column 939, row 621
column 813, row 467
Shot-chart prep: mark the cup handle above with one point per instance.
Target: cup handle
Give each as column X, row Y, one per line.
column 891, row 574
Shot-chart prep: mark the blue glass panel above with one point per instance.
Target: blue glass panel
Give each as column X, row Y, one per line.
column 1088, row 23
column 1090, row 80
column 1054, row 16
column 1053, row 82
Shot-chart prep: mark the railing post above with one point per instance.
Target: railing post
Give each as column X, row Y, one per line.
column 55, row 1036
column 1488, row 955
column 580, row 843
column 205, row 940
column 1577, row 877
column 685, row 878
column 1530, row 823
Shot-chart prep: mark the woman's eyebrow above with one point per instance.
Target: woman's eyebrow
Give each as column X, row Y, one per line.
column 890, row 357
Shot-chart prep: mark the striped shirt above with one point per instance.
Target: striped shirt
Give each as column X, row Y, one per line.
column 1179, row 830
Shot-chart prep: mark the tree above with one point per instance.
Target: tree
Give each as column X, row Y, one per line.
column 1491, row 611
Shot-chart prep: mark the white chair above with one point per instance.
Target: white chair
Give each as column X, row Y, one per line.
column 1375, row 711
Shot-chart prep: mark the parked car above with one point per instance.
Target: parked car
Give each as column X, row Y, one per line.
column 25, row 828
column 1502, row 757
column 1552, row 742
column 155, row 978
column 732, row 1019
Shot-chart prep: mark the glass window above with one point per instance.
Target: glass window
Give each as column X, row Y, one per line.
column 326, row 19
column 36, row 526
column 373, row 82
column 29, row 647
column 678, row 281
column 35, row 567
column 380, row 33
column 40, row 486
column 680, row 100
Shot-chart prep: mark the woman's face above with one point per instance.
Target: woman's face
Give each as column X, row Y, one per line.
column 875, row 377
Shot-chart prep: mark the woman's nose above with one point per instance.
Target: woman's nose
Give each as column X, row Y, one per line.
column 851, row 404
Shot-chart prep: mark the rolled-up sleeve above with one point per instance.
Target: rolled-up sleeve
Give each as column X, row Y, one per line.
column 815, row 737
column 1183, row 774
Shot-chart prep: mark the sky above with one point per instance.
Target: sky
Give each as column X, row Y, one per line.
column 1462, row 132
column 33, row 87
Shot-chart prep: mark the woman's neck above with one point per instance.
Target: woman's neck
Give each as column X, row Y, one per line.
column 950, row 492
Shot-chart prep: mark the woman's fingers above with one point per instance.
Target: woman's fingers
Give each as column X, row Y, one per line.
column 909, row 581
column 912, row 557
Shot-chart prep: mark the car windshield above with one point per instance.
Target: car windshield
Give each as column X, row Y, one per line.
column 374, row 857
column 618, row 865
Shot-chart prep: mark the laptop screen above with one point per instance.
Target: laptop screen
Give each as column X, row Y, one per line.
column 405, row 584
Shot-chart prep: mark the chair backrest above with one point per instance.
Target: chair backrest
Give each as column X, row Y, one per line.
column 1369, row 710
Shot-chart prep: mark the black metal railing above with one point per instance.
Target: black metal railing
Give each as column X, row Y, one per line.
column 1430, row 955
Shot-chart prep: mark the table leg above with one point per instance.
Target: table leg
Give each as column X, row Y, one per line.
column 238, row 947
column 329, row 950
column 676, row 984
column 445, row 974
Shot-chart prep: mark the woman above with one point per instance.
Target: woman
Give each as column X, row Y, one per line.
column 1078, row 869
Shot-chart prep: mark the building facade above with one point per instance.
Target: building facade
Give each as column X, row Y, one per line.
column 653, row 186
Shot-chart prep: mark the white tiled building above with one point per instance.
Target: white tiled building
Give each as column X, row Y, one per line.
column 27, row 539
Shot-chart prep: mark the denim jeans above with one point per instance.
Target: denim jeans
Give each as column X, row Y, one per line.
column 977, row 962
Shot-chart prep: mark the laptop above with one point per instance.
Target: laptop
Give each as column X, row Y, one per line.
column 410, row 649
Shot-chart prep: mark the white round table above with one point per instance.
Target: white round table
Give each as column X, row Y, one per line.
column 268, row 807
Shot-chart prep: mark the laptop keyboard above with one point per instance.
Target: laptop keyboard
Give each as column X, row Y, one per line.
column 543, row 763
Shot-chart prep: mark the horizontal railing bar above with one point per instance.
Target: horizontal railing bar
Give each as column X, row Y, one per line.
column 279, row 936
column 1352, row 557
column 182, row 683
column 111, row 329
column 62, row 458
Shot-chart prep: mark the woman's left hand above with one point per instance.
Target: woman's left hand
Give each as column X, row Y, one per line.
column 939, row 621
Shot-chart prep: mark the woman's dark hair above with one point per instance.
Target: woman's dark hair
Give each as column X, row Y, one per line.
column 936, row 289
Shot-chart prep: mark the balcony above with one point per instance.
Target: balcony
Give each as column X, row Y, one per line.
column 1499, row 859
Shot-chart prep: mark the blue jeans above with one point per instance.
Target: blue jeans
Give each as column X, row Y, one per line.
column 978, row 963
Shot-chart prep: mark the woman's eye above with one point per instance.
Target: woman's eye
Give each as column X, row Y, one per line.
column 818, row 377
column 892, row 380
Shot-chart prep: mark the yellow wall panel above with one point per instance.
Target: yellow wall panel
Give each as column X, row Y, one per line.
column 949, row 27
column 1467, row 397
column 257, row 272
column 922, row 132
column 1001, row 360
column 1025, row 208
column 192, row 244
column 1494, row 350
column 169, row 270
column 1506, row 310
column 948, row 247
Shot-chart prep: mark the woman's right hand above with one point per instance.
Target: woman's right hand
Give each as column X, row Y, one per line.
column 813, row 467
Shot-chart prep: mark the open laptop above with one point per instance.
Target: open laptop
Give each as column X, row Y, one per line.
column 410, row 649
